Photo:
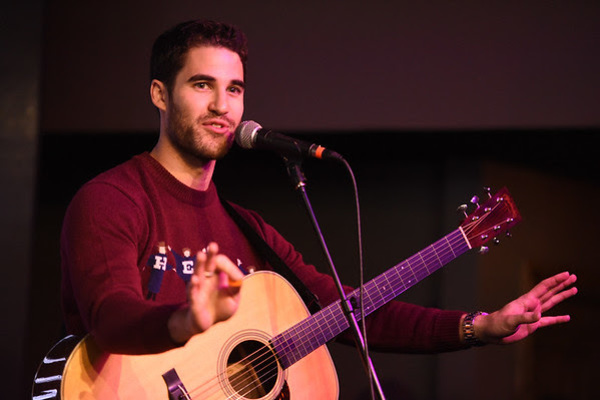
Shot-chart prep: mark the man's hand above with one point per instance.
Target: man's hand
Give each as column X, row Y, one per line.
column 523, row 316
column 213, row 295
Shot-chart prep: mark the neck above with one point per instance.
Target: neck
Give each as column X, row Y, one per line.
column 190, row 171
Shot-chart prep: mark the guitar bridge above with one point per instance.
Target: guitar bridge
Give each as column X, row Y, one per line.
column 175, row 387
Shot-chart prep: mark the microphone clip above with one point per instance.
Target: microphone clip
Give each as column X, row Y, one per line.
column 294, row 169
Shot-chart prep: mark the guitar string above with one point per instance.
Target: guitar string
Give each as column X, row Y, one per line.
column 271, row 364
column 430, row 254
column 429, row 258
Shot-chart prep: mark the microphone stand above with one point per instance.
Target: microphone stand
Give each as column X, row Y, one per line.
column 294, row 169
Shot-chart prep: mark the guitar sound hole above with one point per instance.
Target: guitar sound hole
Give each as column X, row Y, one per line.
column 252, row 369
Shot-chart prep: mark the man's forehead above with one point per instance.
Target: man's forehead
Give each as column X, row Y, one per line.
column 213, row 60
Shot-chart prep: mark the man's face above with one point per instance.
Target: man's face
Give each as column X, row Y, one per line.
column 206, row 103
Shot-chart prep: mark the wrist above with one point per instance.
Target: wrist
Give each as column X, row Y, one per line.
column 469, row 328
column 178, row 325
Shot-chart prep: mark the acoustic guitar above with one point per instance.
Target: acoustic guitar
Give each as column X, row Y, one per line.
column 271, row 348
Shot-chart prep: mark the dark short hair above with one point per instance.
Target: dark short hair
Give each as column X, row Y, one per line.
column 170, row 48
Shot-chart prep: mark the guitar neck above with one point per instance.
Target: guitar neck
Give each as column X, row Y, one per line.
column 300, row 340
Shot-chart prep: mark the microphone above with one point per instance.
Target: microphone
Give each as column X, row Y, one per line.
column 251, row 135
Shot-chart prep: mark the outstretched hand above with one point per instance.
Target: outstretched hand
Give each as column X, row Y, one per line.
column 213, row 295
column 212, row 299
column 523, row 316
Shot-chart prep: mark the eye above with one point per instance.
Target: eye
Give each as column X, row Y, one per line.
column 237, row 90
column 201, row 85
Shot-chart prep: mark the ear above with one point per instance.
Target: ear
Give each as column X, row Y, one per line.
column 159, row 94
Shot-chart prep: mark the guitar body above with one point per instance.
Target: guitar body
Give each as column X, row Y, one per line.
column 268, row 306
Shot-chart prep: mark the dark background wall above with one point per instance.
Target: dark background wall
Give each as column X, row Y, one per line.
column 428, row 102
column 339, row 64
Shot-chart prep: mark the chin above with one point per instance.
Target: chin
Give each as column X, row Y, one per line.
column 212, row 154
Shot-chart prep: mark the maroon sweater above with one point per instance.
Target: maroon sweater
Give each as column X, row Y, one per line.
column 116, row 285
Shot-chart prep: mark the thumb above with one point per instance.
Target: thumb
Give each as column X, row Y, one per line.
column 524, row 317
column 531, row 317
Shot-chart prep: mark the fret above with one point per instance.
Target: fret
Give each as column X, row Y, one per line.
column 329, row 327
column 391, row 284
column 374, row 295
column 423, row 262
column 370, row 295
column 383, row 289
column 398, row 288
column 436, row 256
column 421, row 273
column 450, row 247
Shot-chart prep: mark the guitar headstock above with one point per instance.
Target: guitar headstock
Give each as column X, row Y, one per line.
column 494, row 217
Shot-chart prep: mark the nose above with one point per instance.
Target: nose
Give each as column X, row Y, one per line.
column 220, row 103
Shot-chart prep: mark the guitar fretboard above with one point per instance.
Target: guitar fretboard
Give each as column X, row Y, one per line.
column 300, row 340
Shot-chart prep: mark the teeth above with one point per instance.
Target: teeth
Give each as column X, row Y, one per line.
column 217, row 125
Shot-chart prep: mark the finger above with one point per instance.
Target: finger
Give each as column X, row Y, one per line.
column 224, row 264
column 205, row 263
column 200, row 266
column 225, row 282
column 527, row 309
column 203, row 269
column 550, row 297
column 525, row 318
column 509, row 324
column 549, row 286
column 212, row 252
column 558, row 298
column 560, row 319
column 559, row 287
column 212, row 264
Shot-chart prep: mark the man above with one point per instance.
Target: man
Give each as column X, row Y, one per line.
column 166, row 197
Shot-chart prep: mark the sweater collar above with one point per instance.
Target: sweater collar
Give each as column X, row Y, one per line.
column 174, row 187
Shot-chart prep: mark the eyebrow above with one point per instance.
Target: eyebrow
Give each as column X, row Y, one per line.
column 208, row 78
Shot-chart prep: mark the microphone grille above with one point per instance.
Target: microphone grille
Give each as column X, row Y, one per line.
column 245, row 132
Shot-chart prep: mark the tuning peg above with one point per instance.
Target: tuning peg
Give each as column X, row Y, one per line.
column 475, row 200
column 484, row 250
column 488, row 190
column 508, row 234
column 462, row 208
column 496, row 241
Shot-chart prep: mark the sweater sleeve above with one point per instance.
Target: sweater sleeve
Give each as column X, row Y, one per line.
column 102, row 292
column 396, row 327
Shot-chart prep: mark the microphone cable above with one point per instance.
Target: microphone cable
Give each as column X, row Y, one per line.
column 360, row 269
